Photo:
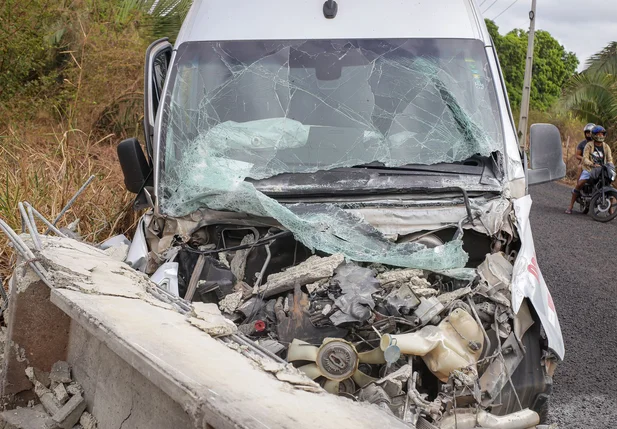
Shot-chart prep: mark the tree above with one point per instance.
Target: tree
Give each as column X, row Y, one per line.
column 553, row 65
column 592, row 95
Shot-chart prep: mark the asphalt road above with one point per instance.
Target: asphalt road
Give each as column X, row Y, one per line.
column 578, row 259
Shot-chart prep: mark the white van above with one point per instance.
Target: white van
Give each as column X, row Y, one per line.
column 344, row 180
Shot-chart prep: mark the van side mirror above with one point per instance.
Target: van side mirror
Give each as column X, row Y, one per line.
column 546, row 155
column 135, row 167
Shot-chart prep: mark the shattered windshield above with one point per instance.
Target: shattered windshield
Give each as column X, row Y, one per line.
column 272, row 107
column 255, row 109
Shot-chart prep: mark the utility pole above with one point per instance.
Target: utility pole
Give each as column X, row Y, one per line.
column 523, row 122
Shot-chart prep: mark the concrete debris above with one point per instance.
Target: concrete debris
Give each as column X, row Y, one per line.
column 209, row 319
column 60, row 372
column 318, row 285
column 117, row 253
column 70, row 413
column 398, row 277
column 61, row 394
column 96, row 273
column 26, row 418
column 426, row 292
column 312, row 270
column 87, row 421
column 74, row 389
column 62, row 406
column 231, row 302
column 47, row 398
column 30, row 373
column 238, row 262
column 290, row 374
column 449, row 297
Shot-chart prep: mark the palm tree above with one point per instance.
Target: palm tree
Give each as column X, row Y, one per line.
column 164, row 17
column 592, row 94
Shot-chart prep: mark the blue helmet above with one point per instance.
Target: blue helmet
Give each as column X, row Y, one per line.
column 597, row 130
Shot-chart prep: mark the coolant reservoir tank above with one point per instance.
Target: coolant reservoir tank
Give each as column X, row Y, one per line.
column 456, row 343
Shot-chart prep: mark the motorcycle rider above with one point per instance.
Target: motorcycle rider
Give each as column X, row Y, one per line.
column 581, row 147
column 595, row 154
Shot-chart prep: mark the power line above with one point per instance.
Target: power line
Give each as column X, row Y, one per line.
column 484, row 1
column 492, row 4
column 505, row 10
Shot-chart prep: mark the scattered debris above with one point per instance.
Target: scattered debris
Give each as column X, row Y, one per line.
column 87, row 421
column 61, row 394
column 61, row 407
column 312, row 270
column 74, row 389
column 60, row 372
column 70, row 413
column 209, row 319
column 26, row 418
column 231, row 302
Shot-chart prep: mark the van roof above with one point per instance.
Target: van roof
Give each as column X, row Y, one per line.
column 221, row 20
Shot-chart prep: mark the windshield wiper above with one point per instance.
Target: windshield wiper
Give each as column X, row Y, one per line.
column 471, row 170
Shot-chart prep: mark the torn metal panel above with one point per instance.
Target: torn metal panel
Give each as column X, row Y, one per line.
column 527, row 280
column 523, row 320
column 166, row 277
column 137, row 257
column 496, row 270
column 492, row 214
column 501, row 369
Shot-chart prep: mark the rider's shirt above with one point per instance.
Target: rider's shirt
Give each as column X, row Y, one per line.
column 598, row 155
column 581, row 146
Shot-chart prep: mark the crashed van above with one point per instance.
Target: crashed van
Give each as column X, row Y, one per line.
column 344, row 181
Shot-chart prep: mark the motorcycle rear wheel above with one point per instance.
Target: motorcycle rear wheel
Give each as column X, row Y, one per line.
column 604, row 209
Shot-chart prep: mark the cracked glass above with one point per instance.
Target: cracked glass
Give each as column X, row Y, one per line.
column 256, row 109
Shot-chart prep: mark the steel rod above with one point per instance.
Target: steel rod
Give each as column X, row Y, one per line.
column 31, row 229
column 25, row 252
column 45, row 221
column 71, row 201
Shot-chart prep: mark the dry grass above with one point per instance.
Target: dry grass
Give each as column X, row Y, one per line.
column 47, row 155
column 47, row 168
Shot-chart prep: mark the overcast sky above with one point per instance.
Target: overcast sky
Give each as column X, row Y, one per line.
column 582, row 26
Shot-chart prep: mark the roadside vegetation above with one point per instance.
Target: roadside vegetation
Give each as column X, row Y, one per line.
column 71, row 88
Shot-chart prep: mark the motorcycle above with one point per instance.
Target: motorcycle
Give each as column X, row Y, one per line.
column 598, row 194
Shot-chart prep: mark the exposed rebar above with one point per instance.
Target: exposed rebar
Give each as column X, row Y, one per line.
column 31, row 228
column 25, row 252
column 45, row 221
column 71, row 201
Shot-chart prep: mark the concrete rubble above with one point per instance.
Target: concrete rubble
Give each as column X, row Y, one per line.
column 63, row 407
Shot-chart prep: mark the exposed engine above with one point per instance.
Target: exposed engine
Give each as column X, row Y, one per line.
column 418, row 344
